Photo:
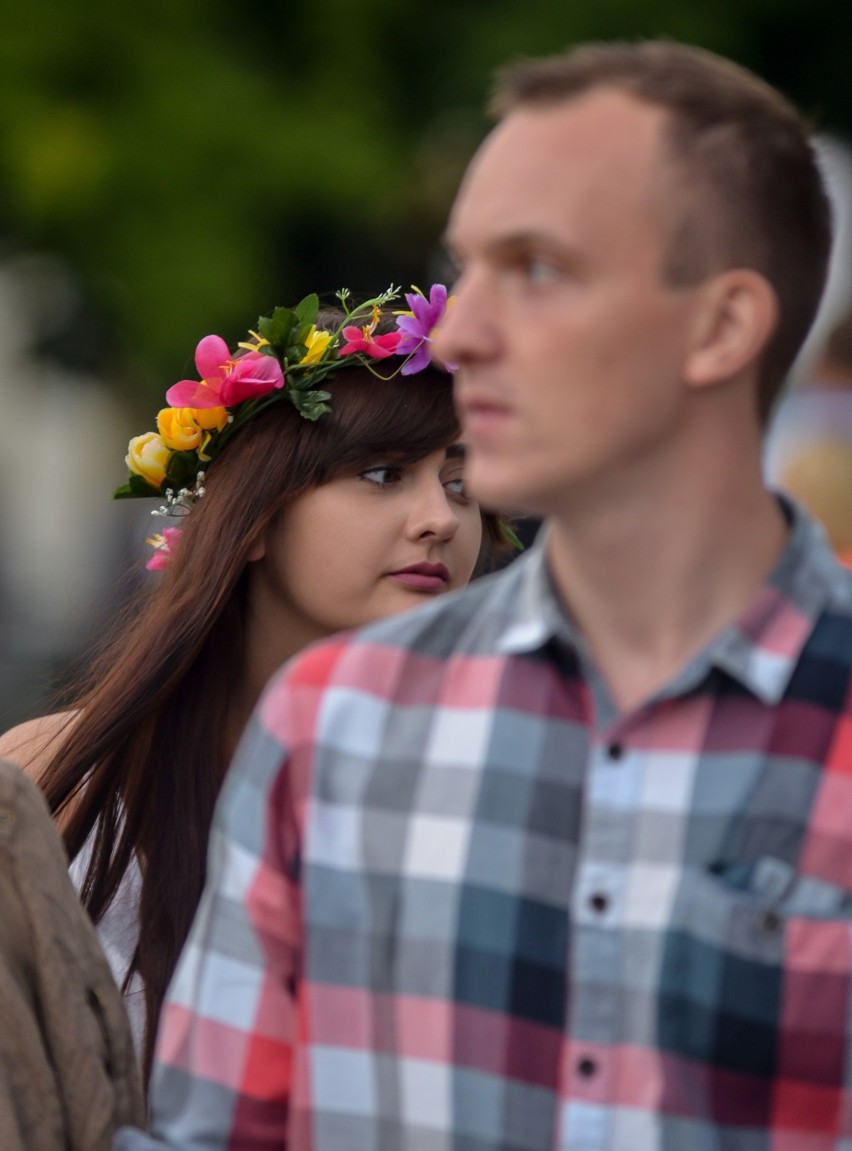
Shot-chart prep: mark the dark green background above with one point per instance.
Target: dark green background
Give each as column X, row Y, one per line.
column 197, row 161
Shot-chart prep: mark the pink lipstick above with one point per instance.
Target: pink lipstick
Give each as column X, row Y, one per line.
column 423, row 577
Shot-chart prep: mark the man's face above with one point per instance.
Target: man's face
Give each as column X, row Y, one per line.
column 569, row 344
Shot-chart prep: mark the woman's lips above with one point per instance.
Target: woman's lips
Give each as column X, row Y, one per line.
column 423, row 577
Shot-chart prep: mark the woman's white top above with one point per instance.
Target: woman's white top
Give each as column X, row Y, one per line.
column 118, row 932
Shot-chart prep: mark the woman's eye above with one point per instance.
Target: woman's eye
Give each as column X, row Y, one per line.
column 381, row 476
column 456, row 487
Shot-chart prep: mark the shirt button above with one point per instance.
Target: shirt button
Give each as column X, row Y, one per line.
column 599, row 902
column 770, row 922
column 586, row 1067
column 615, row 751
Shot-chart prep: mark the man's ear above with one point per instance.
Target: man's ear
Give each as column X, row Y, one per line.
column 733, row 327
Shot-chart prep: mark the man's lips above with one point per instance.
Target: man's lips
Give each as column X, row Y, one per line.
column 481, row 411
column 423, row 576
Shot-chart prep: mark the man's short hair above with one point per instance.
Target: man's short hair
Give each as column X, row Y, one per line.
column 741, row 162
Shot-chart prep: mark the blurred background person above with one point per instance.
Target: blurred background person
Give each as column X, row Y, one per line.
column 809, row 445
column 817, row 408
column 68, row 1074
column 820, row 478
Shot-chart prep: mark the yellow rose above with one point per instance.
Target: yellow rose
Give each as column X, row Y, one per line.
column 179, row 430
column 147, row 456
column 209, row 419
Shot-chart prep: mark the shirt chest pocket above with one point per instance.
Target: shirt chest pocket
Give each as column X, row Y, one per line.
column 756, row 978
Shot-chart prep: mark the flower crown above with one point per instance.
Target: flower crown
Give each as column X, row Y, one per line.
column 287, row 357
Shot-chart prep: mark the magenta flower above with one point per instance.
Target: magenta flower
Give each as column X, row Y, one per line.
column 417, row 327
column 164, row 549
column 225, row 382
column 363, row 340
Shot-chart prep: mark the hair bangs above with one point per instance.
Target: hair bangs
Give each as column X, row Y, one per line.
column 403, row 419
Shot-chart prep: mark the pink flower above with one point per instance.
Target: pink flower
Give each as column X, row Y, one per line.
column 164, row 549
column 417, row 327
column 363, row 340
column 225, row 382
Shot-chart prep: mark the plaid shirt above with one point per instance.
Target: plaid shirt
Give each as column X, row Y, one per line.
column 457, row 903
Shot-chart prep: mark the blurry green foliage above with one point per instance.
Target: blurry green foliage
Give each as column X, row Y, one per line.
column 197, row 161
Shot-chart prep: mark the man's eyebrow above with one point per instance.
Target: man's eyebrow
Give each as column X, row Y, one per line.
column 456, row 451
column 523, row 240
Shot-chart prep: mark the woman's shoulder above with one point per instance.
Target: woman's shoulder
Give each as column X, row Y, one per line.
column 34, row 743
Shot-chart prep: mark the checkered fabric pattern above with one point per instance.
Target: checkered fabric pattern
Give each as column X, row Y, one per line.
column 456, row 903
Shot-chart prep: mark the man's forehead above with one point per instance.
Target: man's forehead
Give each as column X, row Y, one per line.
column 602, row 143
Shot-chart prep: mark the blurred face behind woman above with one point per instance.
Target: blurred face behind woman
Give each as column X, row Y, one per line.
column 366, row 544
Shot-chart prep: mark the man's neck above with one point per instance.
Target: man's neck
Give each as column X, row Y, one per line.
column 650, row 581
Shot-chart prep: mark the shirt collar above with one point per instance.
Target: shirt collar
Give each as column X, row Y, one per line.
column 537, row 615
column 759, row 650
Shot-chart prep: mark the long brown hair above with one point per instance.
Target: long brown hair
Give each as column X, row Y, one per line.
column 140, row 766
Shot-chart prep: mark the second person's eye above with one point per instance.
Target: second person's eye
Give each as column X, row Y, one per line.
column 456, row 487
column 382, row 476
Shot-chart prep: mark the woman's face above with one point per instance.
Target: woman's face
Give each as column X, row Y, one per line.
column 369, row 545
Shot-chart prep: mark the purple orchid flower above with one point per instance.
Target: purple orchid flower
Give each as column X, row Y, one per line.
column 417, row 328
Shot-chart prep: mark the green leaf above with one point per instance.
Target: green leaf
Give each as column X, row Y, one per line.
column 182, row 469
column 310, row 404
column 278, row 327
column 509, row 535
column 313, row 411
column 306, row 310
column 294, row 354
column 135, row 488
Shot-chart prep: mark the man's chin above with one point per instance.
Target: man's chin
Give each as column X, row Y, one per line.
column 498, row 489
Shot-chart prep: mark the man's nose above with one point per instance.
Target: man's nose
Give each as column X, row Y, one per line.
column 467, row 331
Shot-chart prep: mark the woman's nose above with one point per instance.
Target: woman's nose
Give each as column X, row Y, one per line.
column 433, row 513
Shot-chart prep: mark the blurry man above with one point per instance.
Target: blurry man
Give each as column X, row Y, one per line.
column 566, row 860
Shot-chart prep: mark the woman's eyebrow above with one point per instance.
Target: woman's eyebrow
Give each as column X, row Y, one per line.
column 456, row 452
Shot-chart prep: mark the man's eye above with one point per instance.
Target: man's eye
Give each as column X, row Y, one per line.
column 540, row 271
column 381, row 476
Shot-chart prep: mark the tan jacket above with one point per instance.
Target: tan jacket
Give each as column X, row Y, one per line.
column 68, row 1075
